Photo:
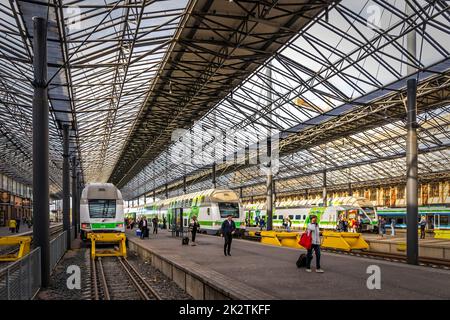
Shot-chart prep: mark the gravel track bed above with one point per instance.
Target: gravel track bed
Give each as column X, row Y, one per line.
column 57, row 290
column 167, row 289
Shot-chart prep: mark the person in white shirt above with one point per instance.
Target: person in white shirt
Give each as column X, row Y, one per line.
column 313, row 228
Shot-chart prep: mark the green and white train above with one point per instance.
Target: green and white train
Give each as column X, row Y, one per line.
column 101, row 209
column 299, row 211
column 211, row 207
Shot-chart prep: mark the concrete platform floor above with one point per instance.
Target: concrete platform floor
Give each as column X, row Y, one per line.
column 272, row 270
column 4, row 231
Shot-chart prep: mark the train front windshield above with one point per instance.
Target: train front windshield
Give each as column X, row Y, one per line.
column 227, row 208
column 100, row 209
column 370, row 212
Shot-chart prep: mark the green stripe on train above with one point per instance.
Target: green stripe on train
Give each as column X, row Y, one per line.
column 105, row 225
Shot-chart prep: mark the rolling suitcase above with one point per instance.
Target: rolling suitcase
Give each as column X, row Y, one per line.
column 301, row 262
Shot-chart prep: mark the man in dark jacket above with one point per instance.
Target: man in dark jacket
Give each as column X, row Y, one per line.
column 228, row 228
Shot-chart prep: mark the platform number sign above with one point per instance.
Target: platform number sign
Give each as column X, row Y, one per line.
column 374, row 280
column 74, row 280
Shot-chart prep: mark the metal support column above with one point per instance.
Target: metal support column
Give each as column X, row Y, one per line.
column 411, row 176
column 214, row 175
column 269, row 176
column 79, row 190
column 324, row 192
column 412, row 241
column 74, row 197
column 41, row 215
column 66, row 184
column 167, row 191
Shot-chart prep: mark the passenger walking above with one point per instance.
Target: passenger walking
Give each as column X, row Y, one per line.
column 288, row 224
column 382, row 227
column 12, row 225
column 422, row 224
column 164, row 223
column 143, row 225
column 131, row 224
column 155, row 225
column 313, row 228
column 257, row 221
column 392, row 227
column 228, row 228
column 359, row 224
column 262, row 223
column 195, row 226
column 17, row 225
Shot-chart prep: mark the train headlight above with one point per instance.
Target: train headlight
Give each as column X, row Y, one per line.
column 120, row 225
column 85, row 226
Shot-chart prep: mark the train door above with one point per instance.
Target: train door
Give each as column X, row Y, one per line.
column 177, row 224
column 430, row 222
column 436, row 221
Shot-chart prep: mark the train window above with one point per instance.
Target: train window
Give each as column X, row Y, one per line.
column 101, row 208
column 443, row 220
column 229, row 208
column 280, row 217
column 400, row 221
column 208, row 211
column 291, row 216
column 304, row 217
column 298, row 217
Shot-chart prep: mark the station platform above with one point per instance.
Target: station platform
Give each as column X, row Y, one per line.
column 260, row 271
column 428, row 247
column 23, row 230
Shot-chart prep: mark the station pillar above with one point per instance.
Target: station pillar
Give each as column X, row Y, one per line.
column 66, row 184
column 411, row 176
column 412, row 241
column 79, row 190
column 324, row 191
column 41, row 217
column 74, row 197
column 214, row 175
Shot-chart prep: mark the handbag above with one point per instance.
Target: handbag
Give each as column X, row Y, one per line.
column 306, row 240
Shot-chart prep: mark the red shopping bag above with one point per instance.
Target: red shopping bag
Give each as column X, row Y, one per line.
column 306, row 240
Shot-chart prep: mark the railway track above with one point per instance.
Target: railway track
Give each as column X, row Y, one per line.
column 108, row 283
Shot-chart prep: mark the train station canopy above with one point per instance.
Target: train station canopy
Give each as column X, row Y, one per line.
column 159, row 93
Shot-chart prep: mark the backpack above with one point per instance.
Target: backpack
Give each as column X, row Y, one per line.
column 185, row 241
column 301, row 262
